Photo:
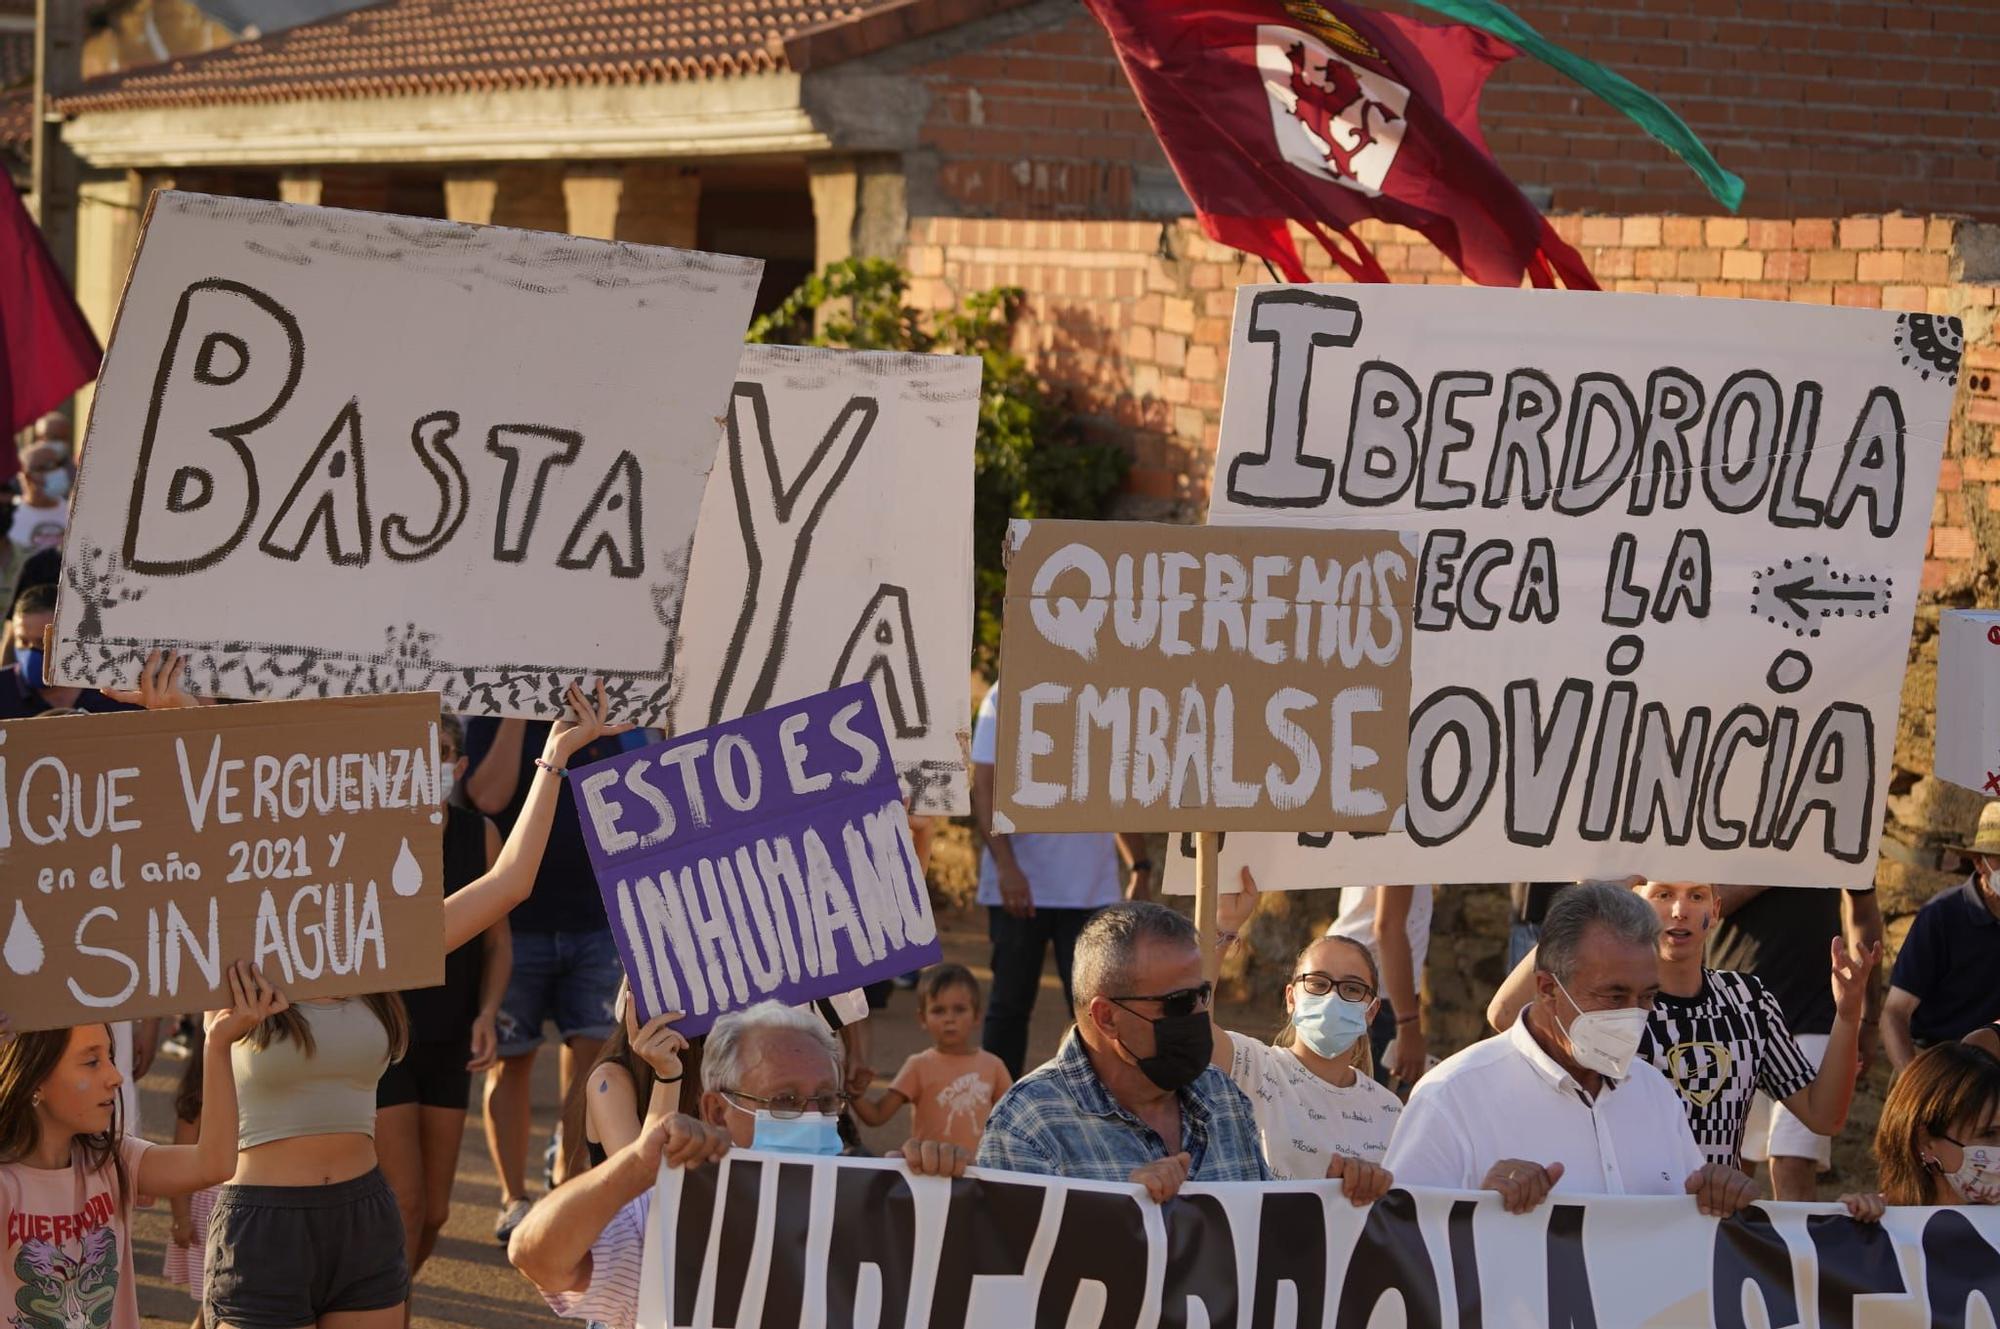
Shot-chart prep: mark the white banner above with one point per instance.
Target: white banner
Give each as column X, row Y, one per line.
column 859, row 1244
column 1671, row 551
column 835, row 546
column 338, row 452
column 1968, row 699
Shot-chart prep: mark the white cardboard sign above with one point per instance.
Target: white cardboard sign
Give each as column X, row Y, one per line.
column 836, row 546
column 339, row 452
column 1670, row 555
column 1968, row 699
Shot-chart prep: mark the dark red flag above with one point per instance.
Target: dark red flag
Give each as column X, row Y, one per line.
column 50, row 349
column 1325, row 114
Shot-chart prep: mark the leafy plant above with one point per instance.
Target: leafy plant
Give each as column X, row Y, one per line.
column 1029, row 460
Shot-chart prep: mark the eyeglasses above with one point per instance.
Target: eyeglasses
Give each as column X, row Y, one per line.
column 1177, row 1004
column 1350, row 989
column 787, row 1107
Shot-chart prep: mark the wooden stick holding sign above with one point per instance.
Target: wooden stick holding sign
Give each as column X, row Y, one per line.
column 1240, row 679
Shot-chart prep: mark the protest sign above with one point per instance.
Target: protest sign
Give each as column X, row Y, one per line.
column 836, row 545
column 769, row 1240
column 336, row 453
column 1968, row 699
column 144, row 853
column 1670, row 554
column 1160, row 677
column 765, row 859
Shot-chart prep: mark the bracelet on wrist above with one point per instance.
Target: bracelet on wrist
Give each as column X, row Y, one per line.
column 551, row 767
column 1140, row 865
column 1407, row 1019
column 1227, row 939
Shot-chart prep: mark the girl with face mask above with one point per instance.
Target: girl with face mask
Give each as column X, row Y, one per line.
column 1319, row 1111
column 1939, row 1137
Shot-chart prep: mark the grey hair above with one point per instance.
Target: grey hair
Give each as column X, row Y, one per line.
column 1110, row 941
column 1576, row 909
column 722, row 1052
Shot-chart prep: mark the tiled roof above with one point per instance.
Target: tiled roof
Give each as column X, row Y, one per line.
column 404, row 47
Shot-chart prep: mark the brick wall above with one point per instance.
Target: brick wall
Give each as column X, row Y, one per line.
column 1826, row 108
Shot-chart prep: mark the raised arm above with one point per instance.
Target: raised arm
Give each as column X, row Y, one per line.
column 211, row 1160
column 1516, row 991
column 1822, row 1105
column 1232, row 914
column 496, row 776
column 1400, row 981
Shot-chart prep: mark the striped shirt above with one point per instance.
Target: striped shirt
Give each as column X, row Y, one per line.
column 1718, row 1048
column 612, row 1296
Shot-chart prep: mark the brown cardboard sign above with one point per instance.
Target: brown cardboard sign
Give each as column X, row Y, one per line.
column 142, row 853
column 1157, row 677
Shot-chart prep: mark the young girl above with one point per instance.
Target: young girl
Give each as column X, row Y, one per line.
column 185, row 1264
column 68, row 1173
column 1938, row 1141
column 635, row 1066
column 954, row 1084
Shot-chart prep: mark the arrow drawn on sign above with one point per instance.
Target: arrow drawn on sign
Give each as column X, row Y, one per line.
column 1802, row 593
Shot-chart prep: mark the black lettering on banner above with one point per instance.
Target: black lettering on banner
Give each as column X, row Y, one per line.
column 431, row 438
column 1571, row 1304
column 1871, row 467
column 1579, row 487
column 1291, row 1248
column 193, row 473
column 1441, row 550
column 1686, row 578
column 1739, row 485
column 791, row 1221
column 1855, row 1260
column 1464, row 1265
column 692, row 1223
column 1381, row 436
column 1790, row 508
column 612, row 523
column 1959, row 1264
column 1751, row 1256
column 1673, row 405
column 1777, row 769
column 1624, row 603
column 1466, row 716
column 1528, row 408
column 1201, row 1263
column 331, row 492
column 1744, row 724
column 1536, row 592
column 1836, row 774
column 736, row 1239
column 1102, row 1240
column 1445, row 434
column 1298, row 324
column 1390, row 1256
column 883, row 650
column 1537, row 788
column 778, row 521
column 1665, row 775
column 539, row 449
column 1607, row 762
column 1474, row 609
column 988, row 1231
column 874, row 1223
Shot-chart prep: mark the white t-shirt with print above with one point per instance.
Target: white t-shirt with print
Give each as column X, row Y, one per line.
column 1078, row 870
column 1304, row 1120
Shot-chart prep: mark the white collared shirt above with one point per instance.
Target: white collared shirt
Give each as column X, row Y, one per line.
column 1507, row 1098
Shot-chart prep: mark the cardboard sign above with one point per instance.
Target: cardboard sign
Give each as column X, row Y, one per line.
column 1968, row 699
column 143, row 853
column 337, row 453
column 768, row 1241
column 836, row 545
column 765, row 859
column 1160, row 677
column 1670, row 554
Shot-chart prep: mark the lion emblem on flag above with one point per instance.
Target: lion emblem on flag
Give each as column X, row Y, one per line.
column 1334, row 119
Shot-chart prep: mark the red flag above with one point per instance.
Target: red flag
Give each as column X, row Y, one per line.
column 1325, row 114
column 50, row 349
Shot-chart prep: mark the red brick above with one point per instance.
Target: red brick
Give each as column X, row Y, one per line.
column 1951, row 476
column 1860, row 233
column 1681, row 232
column 1935, row 576
column 1858, row 297
column 1602, row 231
column 1727, row 232
column 1770, row 234
column 1834, row 265
column 1812, row 233
column 1901, row 232
column 1881, row 265
column 1954, row 542
column 1640, row 233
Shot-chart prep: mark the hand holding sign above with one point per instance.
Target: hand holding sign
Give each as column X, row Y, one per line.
column 252, row 1000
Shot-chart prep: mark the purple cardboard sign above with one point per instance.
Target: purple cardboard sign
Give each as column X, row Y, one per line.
column 764, row 859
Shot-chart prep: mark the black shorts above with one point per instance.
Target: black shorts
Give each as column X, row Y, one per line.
column 432, row 1074
column 280, row 1257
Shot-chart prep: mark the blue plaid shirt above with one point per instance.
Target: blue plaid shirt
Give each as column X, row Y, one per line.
column 1060, row 1121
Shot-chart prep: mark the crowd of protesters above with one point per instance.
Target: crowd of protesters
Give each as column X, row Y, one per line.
column 1654, row 1038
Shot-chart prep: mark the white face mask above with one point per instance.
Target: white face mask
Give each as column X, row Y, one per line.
column 447, row 784
column 1604, row 1041
column 1978, row 1176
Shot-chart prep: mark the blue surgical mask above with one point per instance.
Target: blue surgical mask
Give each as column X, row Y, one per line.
column 30, row 660
column 1329, row 1025
column 56, row 483
column 808, row 1133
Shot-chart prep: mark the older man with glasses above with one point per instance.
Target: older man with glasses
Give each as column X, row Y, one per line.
column 773, row 1080
column 1133, row 1095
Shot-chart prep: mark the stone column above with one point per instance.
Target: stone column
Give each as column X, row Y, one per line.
column 300, row 187
column 591, row 197
column 469, row 196
column 860, row 208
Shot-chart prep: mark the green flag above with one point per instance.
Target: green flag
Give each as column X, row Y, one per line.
column 1640, row 106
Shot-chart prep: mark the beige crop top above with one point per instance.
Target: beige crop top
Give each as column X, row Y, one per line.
column 281, row 1093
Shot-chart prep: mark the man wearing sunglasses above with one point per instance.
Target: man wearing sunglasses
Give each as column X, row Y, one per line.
column 1133, row 1094
column 772, row 1079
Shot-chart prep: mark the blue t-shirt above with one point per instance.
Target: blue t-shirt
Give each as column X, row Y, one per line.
column 1950, row 963
column 1078, row 871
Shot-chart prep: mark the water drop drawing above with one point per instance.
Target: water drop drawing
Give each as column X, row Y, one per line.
column 407, row 877
column 23, row 951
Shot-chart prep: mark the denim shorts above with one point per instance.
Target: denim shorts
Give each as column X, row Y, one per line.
column 568, row 977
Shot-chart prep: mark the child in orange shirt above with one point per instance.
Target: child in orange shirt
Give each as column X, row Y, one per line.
column 955, row 1084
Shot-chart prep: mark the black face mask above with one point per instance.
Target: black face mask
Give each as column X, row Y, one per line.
column 1182, row 1047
